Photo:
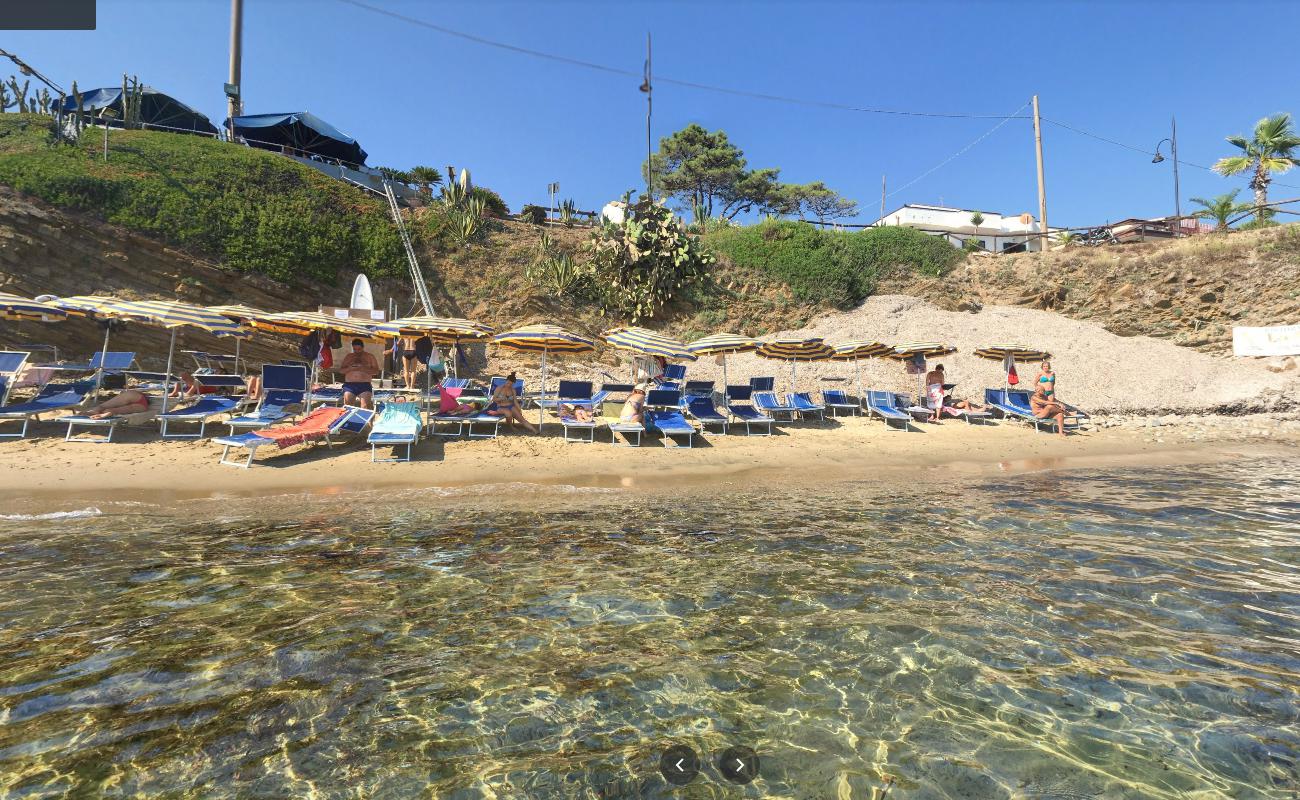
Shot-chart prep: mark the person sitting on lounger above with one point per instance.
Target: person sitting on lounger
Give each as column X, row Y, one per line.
column 505, row 404
column 358, row 368
column 634, row 405
column 1044, row 407
column 934, row 390
column 127, row 401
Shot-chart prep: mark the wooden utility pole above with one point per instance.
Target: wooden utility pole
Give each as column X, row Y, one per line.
column 882, row 200
column 234, row 92
column 1042, row 190
column 649, row 107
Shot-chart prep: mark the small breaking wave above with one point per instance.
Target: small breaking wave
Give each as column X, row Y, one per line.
column 79, row 514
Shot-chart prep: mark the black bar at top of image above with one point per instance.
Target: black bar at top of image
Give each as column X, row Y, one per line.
column 47, row 15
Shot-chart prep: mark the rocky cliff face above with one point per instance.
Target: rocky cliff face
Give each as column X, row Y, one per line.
column 1191, row 292
column 47, row 251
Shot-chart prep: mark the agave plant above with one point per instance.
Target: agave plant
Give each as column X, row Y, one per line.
column 568, row 213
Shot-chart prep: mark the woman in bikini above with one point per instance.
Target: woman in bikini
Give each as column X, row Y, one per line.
column 1044, row 407
column 1047, row 380
column 127, row 401
column 505, row 404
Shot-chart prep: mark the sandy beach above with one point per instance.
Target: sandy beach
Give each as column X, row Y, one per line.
column 44, row 472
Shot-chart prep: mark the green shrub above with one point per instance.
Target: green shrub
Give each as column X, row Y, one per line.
column 252, row 209
column 533, row 213
column 491, row 201
column 836, row 268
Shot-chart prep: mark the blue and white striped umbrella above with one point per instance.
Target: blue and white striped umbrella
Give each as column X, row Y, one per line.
column 544, row 339
column 647, row 342
column 20, row 308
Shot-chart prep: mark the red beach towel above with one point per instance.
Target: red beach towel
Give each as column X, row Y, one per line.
column 314, row 426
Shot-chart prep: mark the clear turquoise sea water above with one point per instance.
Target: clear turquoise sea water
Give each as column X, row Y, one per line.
column 1107, row 634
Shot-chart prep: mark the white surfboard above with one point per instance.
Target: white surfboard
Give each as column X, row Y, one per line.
column 361, row 295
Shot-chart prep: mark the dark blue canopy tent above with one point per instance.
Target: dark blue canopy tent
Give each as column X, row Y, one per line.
column 301, row 133
column 157, row 110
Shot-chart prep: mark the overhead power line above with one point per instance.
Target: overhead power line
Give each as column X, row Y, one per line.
column 1143, row 151
column 960, row 152
column 577, row 62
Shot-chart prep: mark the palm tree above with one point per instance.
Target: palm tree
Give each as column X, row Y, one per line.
column 427, row 178
column 1271, row 150
column 1221, row 208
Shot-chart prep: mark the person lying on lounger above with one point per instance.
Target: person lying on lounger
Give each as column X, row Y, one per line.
column 188, row 387
column 127, row 401
column 1044, row 407
column 505, row 404
column 963, row 405
column 580, row 413
column 632, row 408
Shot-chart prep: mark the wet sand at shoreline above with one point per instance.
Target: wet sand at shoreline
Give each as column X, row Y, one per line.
column 45, row 472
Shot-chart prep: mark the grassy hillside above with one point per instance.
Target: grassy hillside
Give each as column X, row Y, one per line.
column 250, row 209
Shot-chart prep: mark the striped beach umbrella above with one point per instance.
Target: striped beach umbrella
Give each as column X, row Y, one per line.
column 910, row 350
column 647, row 342
column 794, row 351
column 723, row 344
column 444, row 330
column 92, row 307
column 14, row 307
column 544, row 339
column 857, row 350
column 1009, row 354
column 1001, row 352
column 302, row 323
column 173, row 316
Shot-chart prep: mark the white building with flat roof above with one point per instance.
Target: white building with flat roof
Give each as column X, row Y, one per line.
column 996, row 233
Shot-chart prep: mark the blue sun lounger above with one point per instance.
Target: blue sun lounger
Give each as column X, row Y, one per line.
column 11, row 363
column 762, row 384
column 112, row 361
column 663, row 414
column 702, row 409
column 53, row 397
column 352, row 422
column 398, row 424
column 836, row 400
column 738, row 406
column 881, row 404
column 283, row 386
column 205, row 409
column 1015, row 405
column 803, row 403
column 694, row 389
column 768, row 404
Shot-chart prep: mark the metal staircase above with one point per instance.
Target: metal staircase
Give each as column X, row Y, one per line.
column 417, row 276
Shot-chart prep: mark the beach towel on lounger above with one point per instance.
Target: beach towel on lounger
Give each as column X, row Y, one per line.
column 314, row 426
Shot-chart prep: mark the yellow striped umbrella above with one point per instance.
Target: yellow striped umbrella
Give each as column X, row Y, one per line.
column 794, row 351
column 305, row 322
column 723, row 344
column 1000, row 352
column 544, row 339
column 86, row 305
column 173, row 316
column 92, row 307
column 648, row 342
column 1008, row 354
column 444, row 330
column 14, row 307
column 904, row 352
column 855, row 351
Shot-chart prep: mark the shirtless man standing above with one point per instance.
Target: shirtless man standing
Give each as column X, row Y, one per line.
column 358, row 368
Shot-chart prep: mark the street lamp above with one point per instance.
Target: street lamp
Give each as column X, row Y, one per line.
column 1173, row 148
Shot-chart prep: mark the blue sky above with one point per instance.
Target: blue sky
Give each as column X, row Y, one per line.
column 416, row 96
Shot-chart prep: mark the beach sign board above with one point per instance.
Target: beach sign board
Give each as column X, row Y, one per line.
column 1277, row 340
